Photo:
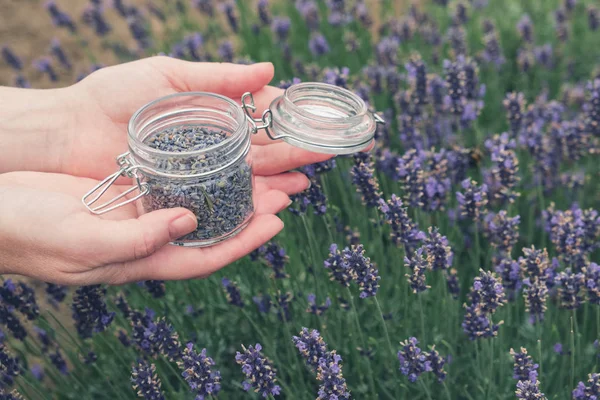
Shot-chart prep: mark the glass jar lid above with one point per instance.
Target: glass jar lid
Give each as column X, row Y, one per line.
column 319, row 117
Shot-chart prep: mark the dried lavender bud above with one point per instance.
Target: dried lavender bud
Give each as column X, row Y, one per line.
column 315, row 309
column 222, row 203
column 11, row 58
column 329, row 373
column 198, row 372
column 259, row 371
column 145, row 382
column 413, row 361
column 570, row 288
column 89, row 310
column 474, row 199
column 232, row 292
column 311, row 346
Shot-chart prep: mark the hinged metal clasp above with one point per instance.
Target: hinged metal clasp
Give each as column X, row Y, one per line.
column 266, row 120
column 126, row 169
column 378, row 119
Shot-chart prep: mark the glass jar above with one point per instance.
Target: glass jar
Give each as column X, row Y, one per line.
column 193, row 150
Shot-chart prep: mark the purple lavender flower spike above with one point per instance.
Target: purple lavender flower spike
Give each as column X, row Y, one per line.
column 524, row 367
column 259, row 371
column 59, row 18
column 318, row 45
column 525, row 29
column 205, row 6
column 570, row 288
column 366, row 182
column 487, row 292
column 474, row 199
column 510, row 273
column 264, row 14
column 44, row 65
column 263, row 303
column 198, row 372
column 139, row 31
column 155, row 337
column 11, row 58
column 329, row 373
column 311, row 346
column 593, row 17
column 417, row 263
column 281, row 27
column 145, row 381
column 20, row 297
column 339, row 269
column 89, row 310
column 310, row 12
column 275, row 255
column 413, row 361
column 22, row 82
column 592, row 285
column 544, row 55
column 93, row 16
column 535, row 292
column 529, row 390
column 452, row 282
column 437, row 363
column 403, row 230
column 57, row 359
column 502, row 231
column 439, row 253
column 316, row 309
column 226, row 51
column 335, row 76
column 38, row 372
column 592, row 107
column 232, row 292
column 58, row 52
column 514, row 103
column 229, row 9
column 362, row 270
column 477, row 325
column 492, row 52
column 11, row 366
column 591, row 391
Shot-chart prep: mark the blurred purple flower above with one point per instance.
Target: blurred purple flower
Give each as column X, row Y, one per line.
column 205, row 6
column 316, row 309
column 318, row 45
column 11, row 58
column 525, row 28
column 281, row 27
column 59, row 18
column 232, row 292
column 44, row 65
column 93, row 16
column 229, row 9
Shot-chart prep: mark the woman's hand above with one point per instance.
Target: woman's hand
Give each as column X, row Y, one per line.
column 47, row 233
column 81, row 129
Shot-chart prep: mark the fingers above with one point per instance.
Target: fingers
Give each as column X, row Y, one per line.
column 135, row 239
column 175, row 263
column 281, row 157
column 231, row 80
column 289, row 183
column 271, row 202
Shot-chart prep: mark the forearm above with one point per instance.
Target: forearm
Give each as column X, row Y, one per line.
column 35, row 128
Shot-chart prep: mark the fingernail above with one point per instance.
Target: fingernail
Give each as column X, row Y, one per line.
column 182, row 226
column 309, row 184
column 289, row 203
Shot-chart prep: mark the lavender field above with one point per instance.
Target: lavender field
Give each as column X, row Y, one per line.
column 459, row 259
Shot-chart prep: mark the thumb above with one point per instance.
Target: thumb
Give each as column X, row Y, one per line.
column 138, row 238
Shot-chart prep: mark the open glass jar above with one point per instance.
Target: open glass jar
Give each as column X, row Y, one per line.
column 193, row 150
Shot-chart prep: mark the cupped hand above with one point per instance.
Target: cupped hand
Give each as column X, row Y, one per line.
column 105, row 101
column 47, row 233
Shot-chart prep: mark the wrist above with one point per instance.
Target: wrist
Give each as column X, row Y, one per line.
column 34, row 128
